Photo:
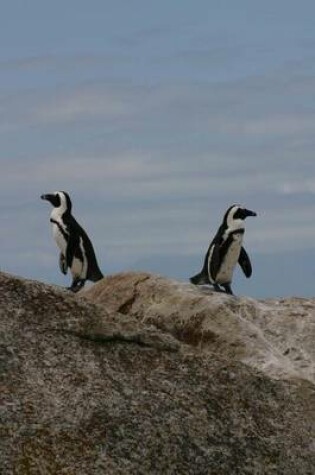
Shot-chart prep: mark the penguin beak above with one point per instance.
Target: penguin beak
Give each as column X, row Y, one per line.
column 248, row 212
column 49, row 197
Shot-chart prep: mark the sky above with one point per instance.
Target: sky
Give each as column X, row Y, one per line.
column 155, row 117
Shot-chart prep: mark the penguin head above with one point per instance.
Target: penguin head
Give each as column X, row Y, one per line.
column 236, row 214
column 59, row 199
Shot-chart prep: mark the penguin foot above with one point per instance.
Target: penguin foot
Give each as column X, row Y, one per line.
column 76, row 285
column 217, row 288
column 228, row 289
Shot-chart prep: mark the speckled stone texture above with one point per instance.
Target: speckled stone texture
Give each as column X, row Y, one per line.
column 103, row 383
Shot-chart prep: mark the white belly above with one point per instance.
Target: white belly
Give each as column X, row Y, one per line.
column 230, row 260
column 76, row 268
column 59, row 238
column 79, row 268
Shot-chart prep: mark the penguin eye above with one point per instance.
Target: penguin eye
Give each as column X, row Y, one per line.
column 57, row 202
column 239, row 214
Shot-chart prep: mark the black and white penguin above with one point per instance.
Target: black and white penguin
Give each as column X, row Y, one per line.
column 225, row 251
column 76, row 250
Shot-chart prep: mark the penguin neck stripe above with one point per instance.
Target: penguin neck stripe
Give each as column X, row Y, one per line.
column 237, row 231
column 65, row 235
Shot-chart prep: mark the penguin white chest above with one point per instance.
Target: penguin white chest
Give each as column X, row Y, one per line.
column 59, row 237
column 230, row 260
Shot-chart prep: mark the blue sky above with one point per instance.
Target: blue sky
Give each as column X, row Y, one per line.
column 155, row 117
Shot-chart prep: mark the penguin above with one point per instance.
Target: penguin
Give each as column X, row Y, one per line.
column 225, row 251
column 76, row 249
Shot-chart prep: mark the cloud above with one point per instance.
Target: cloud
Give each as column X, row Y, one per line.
column 144, row 176
column 307, row 186
column 58, row 62
column 83, row 104
column 273, row 126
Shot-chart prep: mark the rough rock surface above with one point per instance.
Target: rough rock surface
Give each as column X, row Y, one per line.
column 275, row 336
column 122, row 384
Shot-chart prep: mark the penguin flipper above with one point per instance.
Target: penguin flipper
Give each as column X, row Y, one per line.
column 219, row 250
column 228, row 289
column 245, row 263
column 76, row 285
column 63, row 264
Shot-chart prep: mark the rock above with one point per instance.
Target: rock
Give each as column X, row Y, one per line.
column 104, row 383
column 274, row 336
